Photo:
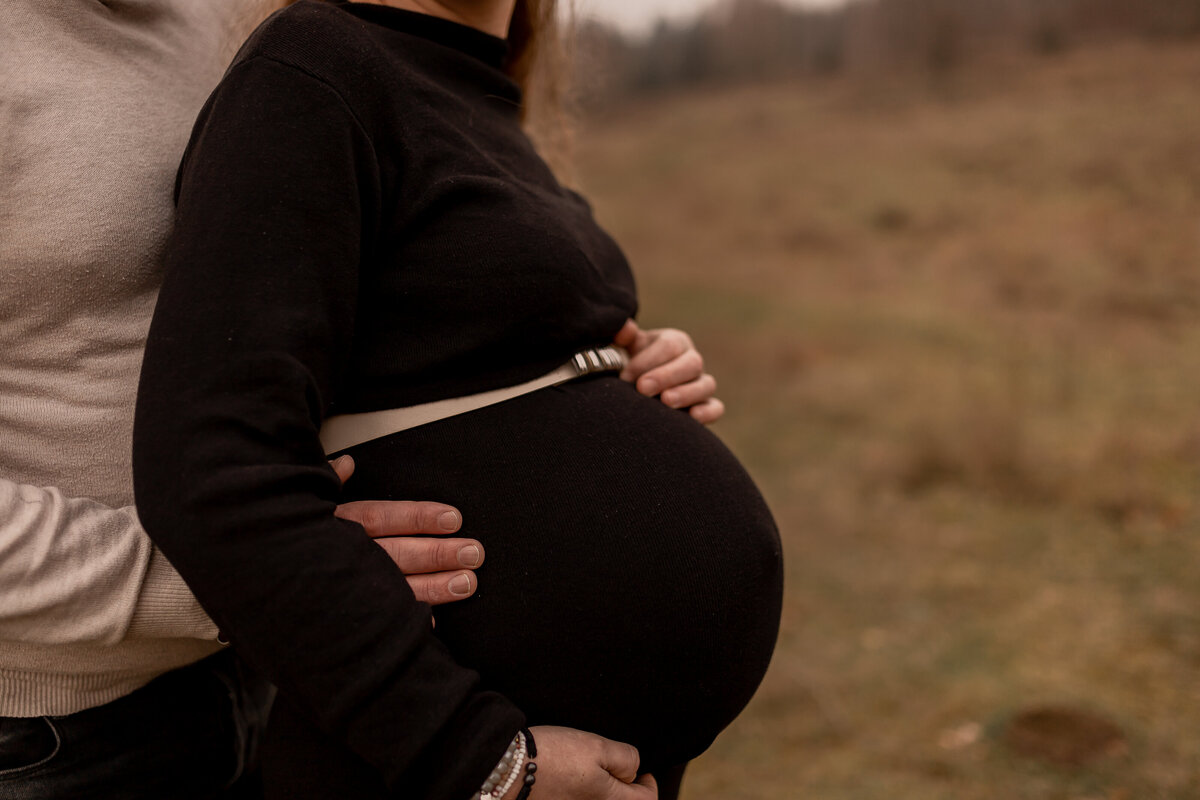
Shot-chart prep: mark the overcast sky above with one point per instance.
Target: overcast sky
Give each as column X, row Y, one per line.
column 638, row 16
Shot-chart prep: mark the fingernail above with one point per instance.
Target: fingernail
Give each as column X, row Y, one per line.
column 448, row 521
column 460, row 586
column 469, row 556
column 648, row 387
column 337, row 462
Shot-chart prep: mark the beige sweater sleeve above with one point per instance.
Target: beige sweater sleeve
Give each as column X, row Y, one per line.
column 74, row 571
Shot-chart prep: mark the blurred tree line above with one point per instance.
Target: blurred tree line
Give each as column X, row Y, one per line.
column 745, row 40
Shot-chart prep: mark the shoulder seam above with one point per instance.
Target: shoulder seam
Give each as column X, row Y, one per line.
column 362, row 128
column 336, row 93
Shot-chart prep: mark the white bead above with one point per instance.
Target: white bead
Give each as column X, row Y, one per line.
column 506, row 772
column 516, row 772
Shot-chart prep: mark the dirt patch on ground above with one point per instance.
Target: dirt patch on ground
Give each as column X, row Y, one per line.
column 1064, row 736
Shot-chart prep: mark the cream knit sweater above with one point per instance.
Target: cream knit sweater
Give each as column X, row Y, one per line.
column 96, row 103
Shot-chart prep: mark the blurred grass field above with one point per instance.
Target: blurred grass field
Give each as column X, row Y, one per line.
column 957, row 324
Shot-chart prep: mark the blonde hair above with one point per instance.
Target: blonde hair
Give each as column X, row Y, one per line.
column 539, row 61
column 536, row 54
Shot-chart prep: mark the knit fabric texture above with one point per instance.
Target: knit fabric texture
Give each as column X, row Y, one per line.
column 97, row 100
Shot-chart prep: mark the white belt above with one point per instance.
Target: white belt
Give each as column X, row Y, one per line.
column 347, row 430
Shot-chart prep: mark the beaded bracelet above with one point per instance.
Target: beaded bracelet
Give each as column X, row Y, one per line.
column 530, row 766
column 506, row 772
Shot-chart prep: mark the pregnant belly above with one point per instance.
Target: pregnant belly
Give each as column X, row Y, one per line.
column 633, row 580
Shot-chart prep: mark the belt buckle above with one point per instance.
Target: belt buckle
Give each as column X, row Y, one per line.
column 598, row 359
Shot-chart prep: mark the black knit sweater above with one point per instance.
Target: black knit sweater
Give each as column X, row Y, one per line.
column 362, row 224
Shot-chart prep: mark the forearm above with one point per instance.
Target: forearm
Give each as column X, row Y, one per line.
column 75, row 571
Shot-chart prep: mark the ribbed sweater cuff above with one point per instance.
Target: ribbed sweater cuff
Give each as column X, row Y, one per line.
column 166, row 607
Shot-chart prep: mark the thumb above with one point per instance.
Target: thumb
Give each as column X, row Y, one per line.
column 648, row 781
column 628, row 335
column 344, row 467
column 621, row 761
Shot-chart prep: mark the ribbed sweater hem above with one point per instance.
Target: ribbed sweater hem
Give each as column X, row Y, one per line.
column 53, row 681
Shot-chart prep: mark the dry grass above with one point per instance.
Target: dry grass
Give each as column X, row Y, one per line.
column 958, row 326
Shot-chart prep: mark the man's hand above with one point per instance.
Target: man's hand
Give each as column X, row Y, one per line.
column 575, row 765
column 665, row 362
column 438, row 570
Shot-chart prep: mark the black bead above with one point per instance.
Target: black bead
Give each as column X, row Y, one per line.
column 530, row 745
column 530, row 780
column 531, row 768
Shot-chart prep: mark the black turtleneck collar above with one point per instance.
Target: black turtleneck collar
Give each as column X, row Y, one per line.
column 489, row 49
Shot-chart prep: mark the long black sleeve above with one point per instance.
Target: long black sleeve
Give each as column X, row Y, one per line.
column 250, row 343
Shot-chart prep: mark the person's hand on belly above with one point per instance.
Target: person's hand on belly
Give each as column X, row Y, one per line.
column 439, row 570
column 665, row 362
column 576, row 765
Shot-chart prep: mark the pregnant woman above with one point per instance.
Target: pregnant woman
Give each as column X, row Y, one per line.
column 363, row 225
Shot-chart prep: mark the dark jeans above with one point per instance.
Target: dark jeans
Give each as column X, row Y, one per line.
column 187, row 735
